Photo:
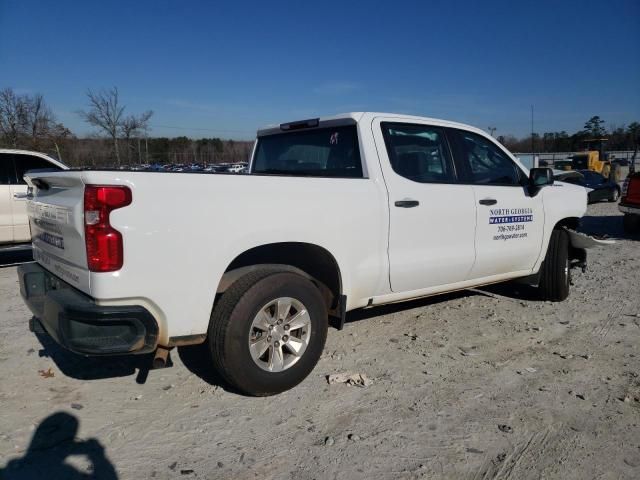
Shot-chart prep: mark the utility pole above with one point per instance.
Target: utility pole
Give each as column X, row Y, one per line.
column 492, row 130
column 532, row 142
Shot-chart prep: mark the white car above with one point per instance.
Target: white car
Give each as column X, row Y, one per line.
column 236, row 168
column 335, row 214
column 14, row 224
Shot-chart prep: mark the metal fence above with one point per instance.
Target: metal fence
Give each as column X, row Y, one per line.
column 553, row 156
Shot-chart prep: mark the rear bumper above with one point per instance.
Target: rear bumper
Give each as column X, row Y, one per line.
column 629, row 208
column 76, row 322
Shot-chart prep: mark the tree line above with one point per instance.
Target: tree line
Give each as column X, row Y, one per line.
column 619, row 137
column 119, row 138
column 122, row 138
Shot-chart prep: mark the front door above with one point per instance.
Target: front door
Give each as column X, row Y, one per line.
column 432, row 219
column 510, row 222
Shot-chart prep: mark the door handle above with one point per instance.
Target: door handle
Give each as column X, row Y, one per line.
column 407, row 203
column 20, row 196
column 488, row 201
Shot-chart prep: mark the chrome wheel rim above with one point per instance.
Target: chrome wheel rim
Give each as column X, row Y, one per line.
column 279, row 334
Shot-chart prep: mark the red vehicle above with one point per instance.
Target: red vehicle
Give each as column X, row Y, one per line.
column 630, row 203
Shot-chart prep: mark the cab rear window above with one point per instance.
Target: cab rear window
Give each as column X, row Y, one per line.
column 321, row 152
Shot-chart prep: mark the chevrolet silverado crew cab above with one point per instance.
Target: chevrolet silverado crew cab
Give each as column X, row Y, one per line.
column 14, row 224
column 334, row 214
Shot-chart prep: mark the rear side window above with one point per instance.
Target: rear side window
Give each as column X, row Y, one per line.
column 24, row 163
column 322, row 152
column 7, row 172
column 418, row 152
column 481, row 162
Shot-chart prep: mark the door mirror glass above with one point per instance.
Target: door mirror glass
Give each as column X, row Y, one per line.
column 540, row 177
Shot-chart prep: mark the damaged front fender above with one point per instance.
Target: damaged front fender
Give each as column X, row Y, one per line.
column 582, row 240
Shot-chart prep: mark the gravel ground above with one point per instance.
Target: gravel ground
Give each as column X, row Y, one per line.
column 484, row 384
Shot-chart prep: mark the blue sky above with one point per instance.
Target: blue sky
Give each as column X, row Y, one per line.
column 224, row 69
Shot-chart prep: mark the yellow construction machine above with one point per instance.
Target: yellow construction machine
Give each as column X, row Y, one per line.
column 594, row 158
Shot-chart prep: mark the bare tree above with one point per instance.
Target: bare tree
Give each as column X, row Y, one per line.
column 132, row 126
column 13, row 116
column 105, row 113
column 40, row 121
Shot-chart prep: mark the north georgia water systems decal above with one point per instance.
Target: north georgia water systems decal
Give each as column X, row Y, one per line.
column 510, row 222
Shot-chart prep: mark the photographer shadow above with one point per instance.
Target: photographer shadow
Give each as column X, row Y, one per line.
column 53, row 442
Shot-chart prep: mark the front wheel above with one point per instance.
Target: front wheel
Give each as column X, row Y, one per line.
column 615, row 195
column 555, row 277
column 268, row 331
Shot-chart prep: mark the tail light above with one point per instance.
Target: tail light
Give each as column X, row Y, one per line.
column 625, row 187
column 103, row 242
column 633, row 190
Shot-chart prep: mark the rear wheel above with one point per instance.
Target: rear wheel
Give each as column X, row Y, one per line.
column 555, row 277
column 267, row 331
column 631, row 223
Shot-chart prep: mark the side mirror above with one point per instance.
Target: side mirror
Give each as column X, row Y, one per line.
column 538, row 178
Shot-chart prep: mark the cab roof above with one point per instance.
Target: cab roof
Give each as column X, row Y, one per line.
column 352, row 118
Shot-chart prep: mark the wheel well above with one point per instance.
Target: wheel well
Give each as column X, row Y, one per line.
column 316, row 262
column 570, row 222
column 574, row 253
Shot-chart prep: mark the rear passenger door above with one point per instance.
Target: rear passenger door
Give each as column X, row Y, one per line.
column 509, row 220
column 7, row 179
column 432, row 219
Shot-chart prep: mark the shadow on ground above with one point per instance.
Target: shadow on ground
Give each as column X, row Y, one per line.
column 372, row 312
column 94, row 368
column 15, row 255
column 514, row 290
column 197, row 359
column 53, row 442
column 605, row 225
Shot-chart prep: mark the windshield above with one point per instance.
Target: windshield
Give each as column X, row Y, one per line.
column 322, row 152
column 580, row 162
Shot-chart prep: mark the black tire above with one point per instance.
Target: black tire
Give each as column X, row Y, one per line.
column 631, row 223
column 615, row 195
column 555, row 277
column 230, row 328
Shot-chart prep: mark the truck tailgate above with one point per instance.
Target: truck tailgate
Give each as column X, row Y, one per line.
column 56, row 217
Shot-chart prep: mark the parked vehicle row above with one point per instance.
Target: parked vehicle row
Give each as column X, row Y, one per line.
column 335, row 214
column 598, row 186
column 182, row 167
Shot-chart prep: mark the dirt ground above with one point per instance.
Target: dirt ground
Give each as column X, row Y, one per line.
column 484, row 384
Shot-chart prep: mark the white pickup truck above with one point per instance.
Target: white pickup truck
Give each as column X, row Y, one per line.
column 334, row 214
column 14, row 224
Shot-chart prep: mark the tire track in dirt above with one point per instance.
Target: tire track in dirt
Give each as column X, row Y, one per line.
column 527, row 457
